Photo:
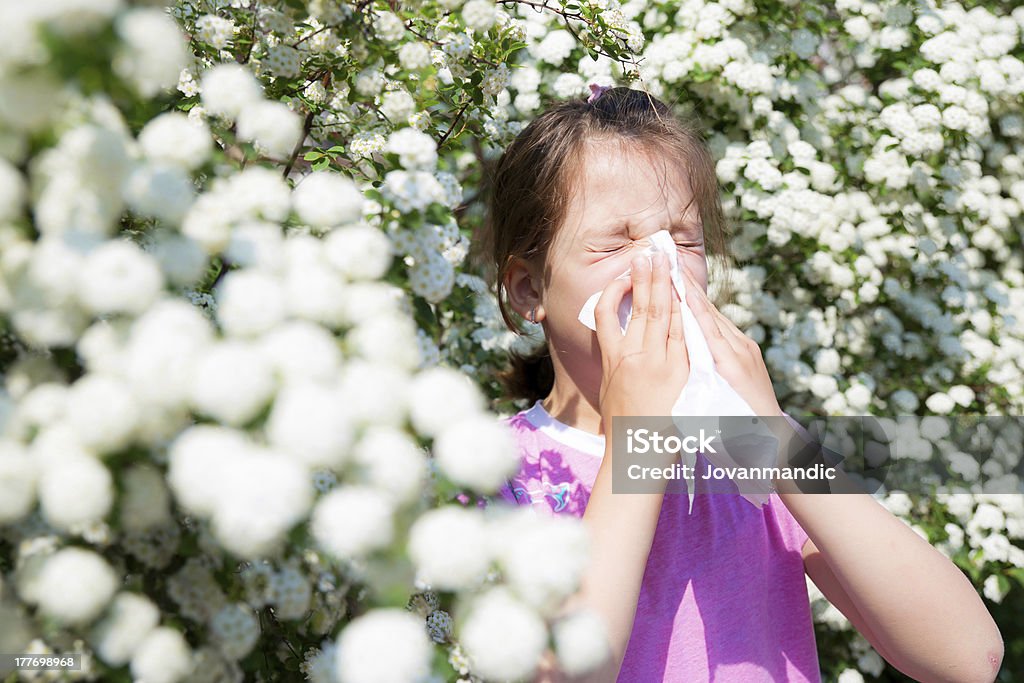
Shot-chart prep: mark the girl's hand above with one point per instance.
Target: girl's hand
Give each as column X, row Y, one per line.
column 644, row 370
column 737, row 356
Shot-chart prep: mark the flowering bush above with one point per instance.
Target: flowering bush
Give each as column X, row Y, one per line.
column 234, row 282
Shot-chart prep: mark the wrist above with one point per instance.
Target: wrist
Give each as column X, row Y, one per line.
column 767, row 409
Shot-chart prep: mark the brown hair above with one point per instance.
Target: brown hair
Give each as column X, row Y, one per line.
column 534, row 180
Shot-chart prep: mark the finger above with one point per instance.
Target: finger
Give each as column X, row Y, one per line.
column 681, row 270
column 730, row 333
column 691, row 282
column 641, row 276
column 703, row 295
column 698, row 290
column 606, row 317
column 659, row 312
column 699, row 304
column 733, row 334
column 675, row 347
column 719, row 345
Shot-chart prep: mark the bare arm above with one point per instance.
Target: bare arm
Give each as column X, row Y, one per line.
column 907, row 599
column 643, row 374
column 914, row 605
column 622, row 529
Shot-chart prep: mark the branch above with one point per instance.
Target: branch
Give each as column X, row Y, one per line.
column 434, row 41
column 311, row 34
column 307, row 125
column 252, row 40
column 566, row 16
column 458, row 115
column 539, row 6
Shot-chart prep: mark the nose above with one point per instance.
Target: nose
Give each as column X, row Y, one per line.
column 649, row 241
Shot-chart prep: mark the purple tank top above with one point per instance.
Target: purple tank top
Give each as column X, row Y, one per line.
column 724, row 595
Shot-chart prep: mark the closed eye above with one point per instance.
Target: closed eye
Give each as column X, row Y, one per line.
column 690, row 245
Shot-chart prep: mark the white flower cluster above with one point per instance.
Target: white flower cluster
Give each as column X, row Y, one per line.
column 74, row 586
column 417, row 151
column 151, row 53
column 283, row 61
column 398, row 105
column 479, row 15
column 383, row 645
column 366, row 143
column 262, row 354
column 833, row 222
column 232, row 92
column 325, row 200
column 412, row 190
column 987, row 523
column 555, row 47
column 435, row 251
column 217, row 31
column 414, row 56
column 495, row 80
column 453, row 548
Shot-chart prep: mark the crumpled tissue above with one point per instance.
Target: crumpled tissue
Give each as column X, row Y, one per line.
column 706, row 393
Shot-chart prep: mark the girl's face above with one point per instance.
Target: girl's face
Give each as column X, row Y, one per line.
column 623, row 199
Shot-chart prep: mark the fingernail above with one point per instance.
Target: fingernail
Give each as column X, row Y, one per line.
column 656, row 259
column 638, row 261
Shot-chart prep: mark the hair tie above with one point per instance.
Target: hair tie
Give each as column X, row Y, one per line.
column 596, row 91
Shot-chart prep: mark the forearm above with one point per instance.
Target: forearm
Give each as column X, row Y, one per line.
column 621, row 528
column 923, row 611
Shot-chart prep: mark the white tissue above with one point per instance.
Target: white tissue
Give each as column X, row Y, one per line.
column 706, row 393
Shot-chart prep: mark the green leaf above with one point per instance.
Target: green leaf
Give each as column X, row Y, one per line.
column 312, row 155
column 424, row 314
column 1004, row 583
column 437, row 214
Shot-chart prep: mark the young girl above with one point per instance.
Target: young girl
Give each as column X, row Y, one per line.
column 717, row 592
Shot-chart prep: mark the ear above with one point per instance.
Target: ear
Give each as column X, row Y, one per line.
column 519, row 283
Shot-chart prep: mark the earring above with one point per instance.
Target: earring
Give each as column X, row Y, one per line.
column 533, row 315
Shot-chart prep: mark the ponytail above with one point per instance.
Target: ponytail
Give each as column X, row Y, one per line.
column 530, row 376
